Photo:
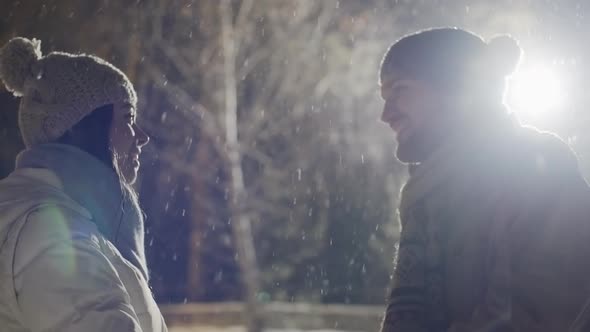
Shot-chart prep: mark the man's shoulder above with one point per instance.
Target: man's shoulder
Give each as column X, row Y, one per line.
column 529, row 151
column 543, row 140
column 532, row 163
column 545, row 152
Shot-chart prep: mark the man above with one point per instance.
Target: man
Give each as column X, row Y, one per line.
column 495, row 216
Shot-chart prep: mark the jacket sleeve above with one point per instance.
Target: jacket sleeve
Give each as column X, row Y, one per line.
column 63, row 280
column 405, row 310
column 495, row 310
column 582, row 321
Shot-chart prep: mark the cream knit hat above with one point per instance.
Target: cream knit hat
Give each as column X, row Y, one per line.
column 59, row 89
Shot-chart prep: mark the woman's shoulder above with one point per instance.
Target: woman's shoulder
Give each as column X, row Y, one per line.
column 26, row 188
column 58, row 222
column 33, row 209
column 49, row 226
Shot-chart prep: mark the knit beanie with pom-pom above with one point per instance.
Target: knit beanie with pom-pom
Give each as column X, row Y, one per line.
column 58, row 89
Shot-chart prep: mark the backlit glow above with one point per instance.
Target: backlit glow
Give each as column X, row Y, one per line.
column 536, row 92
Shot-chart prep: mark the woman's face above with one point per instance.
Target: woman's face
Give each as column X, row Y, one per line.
column 126, row 139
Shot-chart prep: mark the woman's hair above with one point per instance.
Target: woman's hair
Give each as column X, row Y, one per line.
column 454, row 59
column 91, row 134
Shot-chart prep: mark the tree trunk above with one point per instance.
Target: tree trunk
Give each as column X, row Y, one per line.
column 239, row 218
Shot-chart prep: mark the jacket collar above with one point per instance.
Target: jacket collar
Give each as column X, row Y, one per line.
column 455, row 154
column 83, row 178
column 97, row 188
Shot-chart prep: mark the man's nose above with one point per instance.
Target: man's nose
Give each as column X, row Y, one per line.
column 387, row 113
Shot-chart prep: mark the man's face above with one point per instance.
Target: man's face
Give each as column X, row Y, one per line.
column 413, row 110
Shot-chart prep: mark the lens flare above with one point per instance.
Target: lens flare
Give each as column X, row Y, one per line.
column 536, row 92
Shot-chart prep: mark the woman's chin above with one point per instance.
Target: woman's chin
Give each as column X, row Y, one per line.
column 130, row 174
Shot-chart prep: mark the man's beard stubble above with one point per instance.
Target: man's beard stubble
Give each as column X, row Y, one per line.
column 415, row 148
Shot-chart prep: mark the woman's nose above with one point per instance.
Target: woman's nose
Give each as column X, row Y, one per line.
column 142, row 137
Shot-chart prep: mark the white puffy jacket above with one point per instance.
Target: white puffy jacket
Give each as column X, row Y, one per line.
column 57, row 271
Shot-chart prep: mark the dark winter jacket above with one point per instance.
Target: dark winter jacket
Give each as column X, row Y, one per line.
column 495, row 236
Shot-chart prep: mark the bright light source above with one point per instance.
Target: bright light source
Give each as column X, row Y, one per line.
column 536, row 92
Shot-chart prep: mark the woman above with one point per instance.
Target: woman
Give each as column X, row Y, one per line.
column 71, row 230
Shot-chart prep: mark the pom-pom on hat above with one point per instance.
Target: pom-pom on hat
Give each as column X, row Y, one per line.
column 504, row 53
column 58, row 89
